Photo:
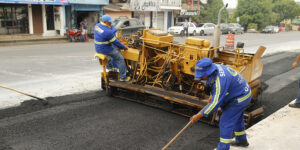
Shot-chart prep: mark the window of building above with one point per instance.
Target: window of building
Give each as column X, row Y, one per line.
column 13, row 19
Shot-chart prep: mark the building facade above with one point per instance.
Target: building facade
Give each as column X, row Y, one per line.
column 156, row 13
column 189, row 9
column 118, row 8
column 77, row 10
column 44, row 17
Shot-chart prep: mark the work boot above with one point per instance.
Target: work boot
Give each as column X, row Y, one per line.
column 241, row 144
column 125, row 79
column 294, row 105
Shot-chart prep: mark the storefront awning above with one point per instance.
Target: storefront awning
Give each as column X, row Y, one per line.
column 46, row 2
column 79, row 7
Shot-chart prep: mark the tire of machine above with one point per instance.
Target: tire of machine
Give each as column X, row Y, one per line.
column 110, row 91
column 103, row 86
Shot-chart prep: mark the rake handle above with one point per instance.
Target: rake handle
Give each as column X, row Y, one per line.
column 177, row 135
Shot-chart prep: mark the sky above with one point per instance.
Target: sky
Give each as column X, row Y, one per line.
column 233, row 3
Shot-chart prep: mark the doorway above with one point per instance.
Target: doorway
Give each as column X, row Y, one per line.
column 50, row 17
column 80, row 16
column 37, row 19
column 169, row 19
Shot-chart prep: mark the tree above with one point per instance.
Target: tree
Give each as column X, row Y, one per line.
column 255, row 11
column 265, row 12
column 285, row 9
column 210, row 12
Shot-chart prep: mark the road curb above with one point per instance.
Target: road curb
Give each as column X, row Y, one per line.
column 12, row 42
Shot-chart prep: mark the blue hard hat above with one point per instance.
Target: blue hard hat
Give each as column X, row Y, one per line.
column 107, row 18
column 205, row 67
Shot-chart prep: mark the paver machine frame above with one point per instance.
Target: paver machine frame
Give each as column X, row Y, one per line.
column 162, row 73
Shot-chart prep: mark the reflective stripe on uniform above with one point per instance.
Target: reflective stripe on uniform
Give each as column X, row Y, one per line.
column 106, row 42
column 240, row 133
column 225, row 140
column 232, row 72
column 216, row 98
column 99, row 29
column 245, row 97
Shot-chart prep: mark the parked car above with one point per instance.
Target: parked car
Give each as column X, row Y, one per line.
column 129, row 26
column 224, row 28
column 270, row 29
column 205, row 28
column 236, row 28
column 178, row 29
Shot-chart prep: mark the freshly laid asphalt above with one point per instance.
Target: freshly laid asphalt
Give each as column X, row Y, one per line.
column 92, row 121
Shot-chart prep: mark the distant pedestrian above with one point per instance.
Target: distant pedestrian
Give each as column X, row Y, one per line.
column 84, row 27
column 297, row 102
column 186, row 27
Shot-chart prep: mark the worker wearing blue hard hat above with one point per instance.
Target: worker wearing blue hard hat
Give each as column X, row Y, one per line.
column 229, row 91
column 107, row 43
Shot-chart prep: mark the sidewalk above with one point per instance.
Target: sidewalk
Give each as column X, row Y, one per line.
column 279, row 131
column 20, row 39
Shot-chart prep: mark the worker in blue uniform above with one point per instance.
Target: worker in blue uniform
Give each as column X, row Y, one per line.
column 229, row 91
column 111, row 65
column 107, row 43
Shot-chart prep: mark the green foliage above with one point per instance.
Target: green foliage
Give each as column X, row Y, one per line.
column 252, row 26
column 210, row 12
column 265, row 12
column 231, row 20
column 254, row 11
column 286, row 9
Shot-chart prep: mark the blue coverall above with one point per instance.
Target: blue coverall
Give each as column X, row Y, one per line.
column 106, row 43
column 232, row 93
column 111, row 64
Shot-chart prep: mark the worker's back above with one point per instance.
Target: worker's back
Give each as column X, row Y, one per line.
column 233, row 83
column 105, row 38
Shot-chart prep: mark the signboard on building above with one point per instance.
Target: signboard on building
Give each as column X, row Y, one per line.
column 50, row 2
column 170, row 4
column 154, row 5
column 89, row 2
column 190, row 12
column 144, row 5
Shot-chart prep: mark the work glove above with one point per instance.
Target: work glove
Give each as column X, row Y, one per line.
column 294, row 65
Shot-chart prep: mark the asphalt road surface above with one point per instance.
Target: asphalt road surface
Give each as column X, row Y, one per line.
column 274, row 42
column 92, row 121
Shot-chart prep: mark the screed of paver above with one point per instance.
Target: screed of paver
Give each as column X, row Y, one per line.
column 280, row 131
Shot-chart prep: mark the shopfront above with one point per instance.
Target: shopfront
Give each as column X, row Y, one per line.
column 13, row 19
column 84, row 9
column 44, row 17
column 155, row 14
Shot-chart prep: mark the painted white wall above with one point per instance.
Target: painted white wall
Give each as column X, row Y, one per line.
column 172, row 22
column 165, row 20
column 62, row 20
column 154, row 19
column 44, row 20
column 30, row 20
column 147, row 19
